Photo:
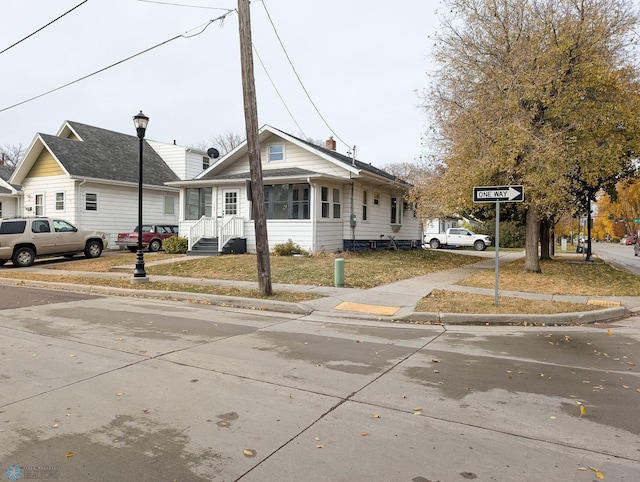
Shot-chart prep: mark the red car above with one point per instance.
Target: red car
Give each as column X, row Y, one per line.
column 152, row 236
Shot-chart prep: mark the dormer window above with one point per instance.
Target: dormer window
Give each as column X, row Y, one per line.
column 276, row 152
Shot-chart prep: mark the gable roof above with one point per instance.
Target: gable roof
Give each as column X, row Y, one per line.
column 98, row 154
column 353, row 165
column 5, row 175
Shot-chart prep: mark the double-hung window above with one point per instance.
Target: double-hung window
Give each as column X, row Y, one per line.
column 59, row 201
column 275, row 152
column 91, row 201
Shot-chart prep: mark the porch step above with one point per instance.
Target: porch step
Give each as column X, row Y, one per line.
column 205, row 247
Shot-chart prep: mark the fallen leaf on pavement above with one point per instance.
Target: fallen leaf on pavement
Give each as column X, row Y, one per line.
column 69, row 454
column 249, row 453
column 599, row 474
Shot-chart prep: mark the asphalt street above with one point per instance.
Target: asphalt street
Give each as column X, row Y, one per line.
column 103, row 388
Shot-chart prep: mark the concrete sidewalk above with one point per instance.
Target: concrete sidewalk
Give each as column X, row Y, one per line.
column 391, row 302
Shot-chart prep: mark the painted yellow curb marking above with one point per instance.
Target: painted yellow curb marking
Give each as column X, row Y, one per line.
column 603, row 303
column 362, row 308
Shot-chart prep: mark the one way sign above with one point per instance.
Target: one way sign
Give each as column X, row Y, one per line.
column 495, row 194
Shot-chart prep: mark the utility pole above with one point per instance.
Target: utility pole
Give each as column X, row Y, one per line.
column 253, row 146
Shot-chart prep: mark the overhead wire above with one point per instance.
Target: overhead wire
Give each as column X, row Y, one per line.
column 43, row 27
column 300, row 80
column 182, row 5
column 278, row 92
column 202, row 27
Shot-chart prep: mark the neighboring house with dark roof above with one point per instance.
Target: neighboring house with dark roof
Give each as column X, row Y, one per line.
column 314, row 196
column 10, row 195
column 89, row 176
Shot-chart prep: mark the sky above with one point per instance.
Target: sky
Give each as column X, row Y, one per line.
column 362, row 66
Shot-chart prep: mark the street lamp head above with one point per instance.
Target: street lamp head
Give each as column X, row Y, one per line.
column 140, row 121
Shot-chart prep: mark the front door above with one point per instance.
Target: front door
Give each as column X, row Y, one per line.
column 230, row 203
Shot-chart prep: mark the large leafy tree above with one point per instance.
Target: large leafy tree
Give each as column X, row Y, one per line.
column 542, row 93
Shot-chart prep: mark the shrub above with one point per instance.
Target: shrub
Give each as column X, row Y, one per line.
column 175, row 245
column 287, row 249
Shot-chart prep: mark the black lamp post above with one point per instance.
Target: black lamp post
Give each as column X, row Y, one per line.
column 139, row 274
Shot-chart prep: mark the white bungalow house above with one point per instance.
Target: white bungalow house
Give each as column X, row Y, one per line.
column 314, row 196
column 10, row 195
column 89, row 176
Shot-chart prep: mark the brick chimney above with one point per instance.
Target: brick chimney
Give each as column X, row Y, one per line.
column 330, row 144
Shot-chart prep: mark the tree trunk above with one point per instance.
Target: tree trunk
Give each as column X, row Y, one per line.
column 531, row 260
column 545, row 244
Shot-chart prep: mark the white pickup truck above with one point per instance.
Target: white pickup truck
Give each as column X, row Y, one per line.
column 458, row 237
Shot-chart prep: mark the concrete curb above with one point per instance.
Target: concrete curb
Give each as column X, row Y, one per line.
column 217, row 300
column 581, row 317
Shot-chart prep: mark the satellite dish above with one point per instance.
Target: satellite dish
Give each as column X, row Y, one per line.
column 213, row 153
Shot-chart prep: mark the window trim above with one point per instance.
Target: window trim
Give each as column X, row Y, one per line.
column 271, row 155
column 87, row 202
column 58, row 201
column 336, row 211
column 365, row 205
column 396, row 211
column 37, row 212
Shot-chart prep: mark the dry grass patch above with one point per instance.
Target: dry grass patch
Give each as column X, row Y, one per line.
column 362, row 270
column 566, row 275
column 457, row 302
column 103, row 264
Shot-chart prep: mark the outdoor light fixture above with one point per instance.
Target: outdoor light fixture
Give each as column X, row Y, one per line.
column 139, row 274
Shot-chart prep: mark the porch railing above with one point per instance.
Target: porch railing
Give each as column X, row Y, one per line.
column 232, row 228
column 203, row 228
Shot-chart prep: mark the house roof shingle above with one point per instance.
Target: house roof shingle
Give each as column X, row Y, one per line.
column 108, row 155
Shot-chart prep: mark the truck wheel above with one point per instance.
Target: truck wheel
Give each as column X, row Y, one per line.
column 155, row 245
column 434, row 243
column 479, row 245
column 23, row 257
column 93, row 249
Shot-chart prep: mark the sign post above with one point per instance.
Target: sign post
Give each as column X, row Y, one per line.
column 497, row 194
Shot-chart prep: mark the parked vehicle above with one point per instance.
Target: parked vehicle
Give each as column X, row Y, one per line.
column 23, row 239
column 629, row 240
column 458, row 237
column 636, row 249
column 152, row 236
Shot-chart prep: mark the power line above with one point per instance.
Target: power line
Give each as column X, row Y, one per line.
column 182, row 5
column 277, row 91
column 202, row 27
column 299, row 79
column 43, row 27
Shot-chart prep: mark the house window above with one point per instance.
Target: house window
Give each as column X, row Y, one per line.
column 376, row 198
column 39, row 205
column 169, row 205
column 231, row 203
column 91, row 201
column 286, row 201
column 0, row 209
column 276, row 152
column 325, row 201
column 59, row 201
column 365, row 200
column 336, row 204
column 205, row 162
column 396, row 210
column 198, row 202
